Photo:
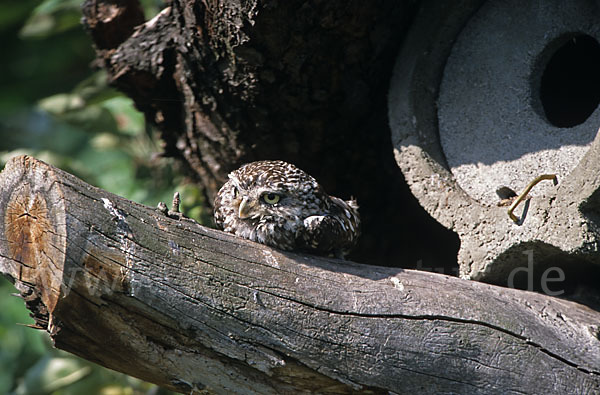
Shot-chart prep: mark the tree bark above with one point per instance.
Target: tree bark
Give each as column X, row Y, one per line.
column 230, row 82
column 188, row 307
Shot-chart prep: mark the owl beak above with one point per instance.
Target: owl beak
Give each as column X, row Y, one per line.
column 245, row 208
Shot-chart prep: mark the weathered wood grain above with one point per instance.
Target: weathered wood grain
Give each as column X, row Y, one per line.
column 188, row 307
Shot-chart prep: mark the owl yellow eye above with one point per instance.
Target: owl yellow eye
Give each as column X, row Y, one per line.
column 271, row 198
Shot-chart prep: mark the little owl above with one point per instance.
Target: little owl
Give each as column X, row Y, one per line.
column 275, row 203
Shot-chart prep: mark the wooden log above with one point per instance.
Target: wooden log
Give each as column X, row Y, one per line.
column 188, row 308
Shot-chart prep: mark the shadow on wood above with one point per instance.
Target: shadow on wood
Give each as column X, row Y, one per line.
column 188, row 307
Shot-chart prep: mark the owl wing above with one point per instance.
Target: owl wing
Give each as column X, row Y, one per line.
column 223, row 205
column 332, row 233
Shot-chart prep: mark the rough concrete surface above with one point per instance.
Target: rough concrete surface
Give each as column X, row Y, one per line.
column 491, row 125
column 559, row 225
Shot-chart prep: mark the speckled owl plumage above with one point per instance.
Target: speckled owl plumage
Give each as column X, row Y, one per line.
column 275, row 203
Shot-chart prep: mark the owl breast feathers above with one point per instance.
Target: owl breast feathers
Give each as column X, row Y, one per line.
column 275, row 203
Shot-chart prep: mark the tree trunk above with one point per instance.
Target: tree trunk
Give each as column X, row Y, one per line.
column 188, row 307
column 229, row 82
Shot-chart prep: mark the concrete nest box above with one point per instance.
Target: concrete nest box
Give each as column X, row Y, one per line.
column 488, row 95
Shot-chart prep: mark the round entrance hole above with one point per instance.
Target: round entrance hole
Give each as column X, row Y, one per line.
column 570, row 83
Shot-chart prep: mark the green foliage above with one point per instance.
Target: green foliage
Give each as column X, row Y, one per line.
column 50, row 17
column 20, row 347
column 54, row 107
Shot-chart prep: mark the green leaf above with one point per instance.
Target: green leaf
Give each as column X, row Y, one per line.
column 61, row 103
column 51, row 17
column 20, row 346
column 95, row 89
column 129, row 120
column 50, row 374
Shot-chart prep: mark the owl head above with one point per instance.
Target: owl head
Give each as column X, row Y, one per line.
column 270, row 190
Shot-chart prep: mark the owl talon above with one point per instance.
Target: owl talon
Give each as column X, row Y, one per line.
column 161, row 207
column 175, row 203
column 174, row 213
column 340, row 255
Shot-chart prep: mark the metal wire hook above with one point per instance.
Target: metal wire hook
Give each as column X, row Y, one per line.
column 523, row 194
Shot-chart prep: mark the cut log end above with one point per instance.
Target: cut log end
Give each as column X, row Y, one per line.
column 34, row 225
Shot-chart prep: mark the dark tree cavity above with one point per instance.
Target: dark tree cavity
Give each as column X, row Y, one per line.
column 229, row 82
